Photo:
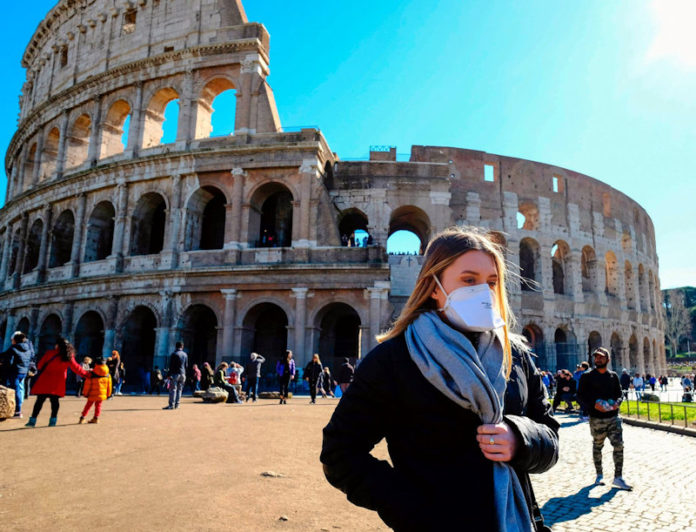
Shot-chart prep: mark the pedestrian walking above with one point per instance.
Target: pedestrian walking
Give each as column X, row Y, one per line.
column 437, row 387
column 178, row 364
column 601, row 391
column 49, row 383
column 312, row 374
column 253, row 373
column 17, row 361
column 344, row 376
column 97, row 388
column 625, row 382
column 285, row 369
column 638, row 385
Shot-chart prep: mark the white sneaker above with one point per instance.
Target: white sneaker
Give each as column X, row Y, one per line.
column 620, row 483
column 599, row 481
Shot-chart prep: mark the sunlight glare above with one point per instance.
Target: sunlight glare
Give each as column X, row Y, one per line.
column 675, row 37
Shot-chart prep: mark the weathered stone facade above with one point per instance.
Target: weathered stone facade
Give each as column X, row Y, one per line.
column 234, row 243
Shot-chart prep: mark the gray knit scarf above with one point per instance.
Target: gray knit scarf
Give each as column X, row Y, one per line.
column 476, row 381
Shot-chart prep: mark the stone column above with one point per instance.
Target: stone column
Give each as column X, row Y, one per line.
column 11, row 184
column 233, row 225
column 164, row 331
column 33, row 332
column 377, row 293
column 5, row 259
column 62, row 145
column 300, row 294
column 20, row 252
column 574, row 275
column 9, row 328
column 473, row 208
column 230, row 295
column 170, row 255
column 510, row 205
column 39, row 156
column 118, row 249
column 135, row 134
column 94, row 149
column 545, row 275
column 187, row 123
column 43, row 251
column 308, row 172
column 252, row 68
column 110, row 326
column 77, row 235
column 68, row 321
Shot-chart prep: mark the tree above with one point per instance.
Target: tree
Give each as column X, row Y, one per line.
column 677, row 318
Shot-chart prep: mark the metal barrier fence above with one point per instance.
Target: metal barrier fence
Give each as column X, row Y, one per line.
column 672, row 413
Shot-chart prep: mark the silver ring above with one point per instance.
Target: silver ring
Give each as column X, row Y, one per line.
column 491, row 441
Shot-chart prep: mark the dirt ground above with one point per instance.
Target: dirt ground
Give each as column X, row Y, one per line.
column 196, row 468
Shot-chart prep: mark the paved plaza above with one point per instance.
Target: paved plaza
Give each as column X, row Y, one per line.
column 202, row 468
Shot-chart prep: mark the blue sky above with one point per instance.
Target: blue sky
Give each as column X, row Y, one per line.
column 603, row 88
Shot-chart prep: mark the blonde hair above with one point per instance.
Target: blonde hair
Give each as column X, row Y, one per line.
column 442, row 251
column 316, row 355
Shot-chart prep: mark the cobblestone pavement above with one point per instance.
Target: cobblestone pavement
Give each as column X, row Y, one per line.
column 659, row 465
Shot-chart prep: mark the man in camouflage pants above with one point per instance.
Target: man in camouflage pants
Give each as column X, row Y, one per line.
column 600, row 392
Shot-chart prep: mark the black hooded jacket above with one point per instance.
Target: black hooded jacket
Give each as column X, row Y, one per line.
column 438, row 478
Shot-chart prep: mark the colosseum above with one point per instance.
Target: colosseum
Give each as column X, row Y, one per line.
column 246, row 241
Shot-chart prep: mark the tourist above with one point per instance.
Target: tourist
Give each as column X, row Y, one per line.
column 98, row 388
column 285, row 369
column 625, row 382
column 345, row 375
column 253, row 372
column 17, row 361
column 113, row 363
column 311, row 374
column 49, row 383
column 220, row 380
column 652, row 381
column 638, row 384
column 178, row 363
column 195, row 379
column 664, row 381
column 87, row 366
column 326, row 383
column 458, row 399
column 156, row 380
column 600, row 389
column 208, row 376
column 565, row 391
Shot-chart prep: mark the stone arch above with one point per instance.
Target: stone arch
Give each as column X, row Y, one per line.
column 270, row 216
column 23, row 325
column 412, row 219
column 530, row 265
column 566, row 348
column 594, row 340
column 588, row 267
column 629, row 285
column 33, row 246
column 647, row 356
column 148, row 224
column 633, row 353
column 528, row 216
column 30, row 163
column 205, row 105
column 617, row 350
column 114, row 127
column 560, row 263
column 49, row 154
column 62, row 239
column 535, row 337
column 339, row 333
column 89, row 335
column 154, row 116
column 205, row 219
column 265, row 331
column 611, row 285
column 349, row 221
column 49, row 332
column 77, row 145
column 100, row 232
column 197, row 329
column 138, row 336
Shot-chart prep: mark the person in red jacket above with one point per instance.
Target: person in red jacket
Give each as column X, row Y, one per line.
column 98, row 388
column 49, row 382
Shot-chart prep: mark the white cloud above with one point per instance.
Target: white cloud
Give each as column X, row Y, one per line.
column 675, row 37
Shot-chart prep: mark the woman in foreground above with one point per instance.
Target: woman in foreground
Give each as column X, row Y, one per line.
column 457, row 398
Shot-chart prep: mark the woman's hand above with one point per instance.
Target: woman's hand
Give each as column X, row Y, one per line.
column 504, row 442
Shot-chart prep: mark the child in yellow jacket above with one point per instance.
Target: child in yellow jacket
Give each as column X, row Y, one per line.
column 97, row 388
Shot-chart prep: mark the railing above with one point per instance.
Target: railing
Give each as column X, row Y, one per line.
column 668, row 413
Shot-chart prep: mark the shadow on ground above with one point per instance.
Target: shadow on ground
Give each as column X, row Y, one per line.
column 573, row 506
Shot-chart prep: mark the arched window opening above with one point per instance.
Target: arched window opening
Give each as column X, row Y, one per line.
column 404, row 243
column 62, row 240
column 611, row 287
column 566, row 349
column 651, row 290
column 270, row 223
column 49, row 333
column 170, row 123
column 89, row 335
column 633, row 353
column 148, row 224
column 528, row 217
column 49, row 156
column 411, row 219
column 629, row 286
column 77, row 146
column 205, row 220
column 529, row 265
column 198, row 330
column 655, row 357
column 588, row 267
column 535, row 339
column 265, row 331
column 153, row 128
column 100, row 232
column 33, row 247
column 353, row 228
column 14, row 253
column 617, row 354
column 560, row 253
column 138, row 340
column 647, row 357
column 339, row 334
column 594, row 340
column 626, row 243
column 216, row 111
column 23, row 325
column 29, row 167
column 115, row 128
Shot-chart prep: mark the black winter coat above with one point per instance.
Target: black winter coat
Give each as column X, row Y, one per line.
column 440, row 479
column 313, row 371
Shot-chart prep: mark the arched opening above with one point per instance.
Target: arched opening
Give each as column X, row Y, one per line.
column 535, row 338
column 89, row 335
column 352, row 227
column 530, row 261
column 412, row 219
column 29, row 167
column 14, row 252
column 616, row 346
column 205, row 220
column 270, row 223
column 171, row 122
column 560, row 253
column 100, row 232
column 651, row 290
column 62, row 239
column 339, row 334
column 23, row 325
column 33, row 247
column 138, row 339
column 198, row 330
column 594, row 340
column 633, row 353
column 77, row 146
column 626, row 243
column 114, row 139
column 265, row 332
column 642, row 288
column 528, row 216
column 655, row 357
column 49, row 333
column 566, row 349
column 153, row 127
column 404, row 243
column 629, row 286
column 147, row 225
column 49, row 155
column 611, row 286
column 216, row 109
column 647, row 358
column 588, row 267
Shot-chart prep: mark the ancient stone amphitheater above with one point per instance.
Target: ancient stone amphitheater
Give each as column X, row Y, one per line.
column 234, row 243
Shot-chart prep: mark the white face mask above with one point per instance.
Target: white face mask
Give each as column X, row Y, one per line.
column 471, row 308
